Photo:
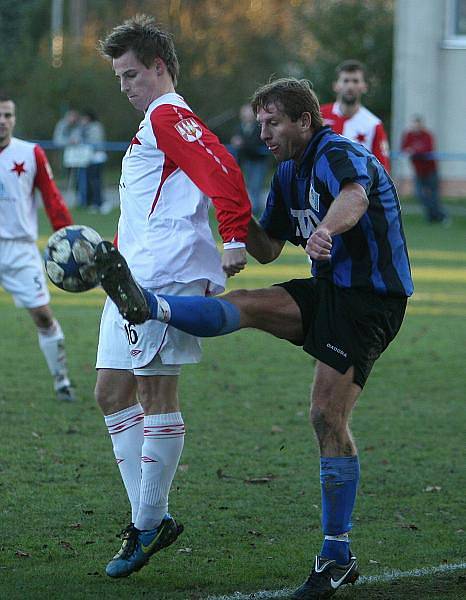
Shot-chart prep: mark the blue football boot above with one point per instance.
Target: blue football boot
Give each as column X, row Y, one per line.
column 138, row 546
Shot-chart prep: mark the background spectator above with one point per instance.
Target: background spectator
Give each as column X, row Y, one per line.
column 252, row 156
column 68, row 135
column 90, row 175
column 419, row 143
column 348, row 117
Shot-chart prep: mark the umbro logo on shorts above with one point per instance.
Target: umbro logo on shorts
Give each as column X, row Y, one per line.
column 135, row 352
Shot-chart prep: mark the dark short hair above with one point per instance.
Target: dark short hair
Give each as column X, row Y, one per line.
column 5, row 97
column 148, row 42
column 350, row 66
column 292, row 96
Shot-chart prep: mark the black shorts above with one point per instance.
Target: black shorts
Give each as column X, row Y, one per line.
column 343, row 327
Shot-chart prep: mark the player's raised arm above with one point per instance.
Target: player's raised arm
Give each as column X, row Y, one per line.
column 343, row 214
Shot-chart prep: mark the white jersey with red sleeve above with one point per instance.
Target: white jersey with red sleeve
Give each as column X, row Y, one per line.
column 24, row 167
column 172, row 167
column 363, row 127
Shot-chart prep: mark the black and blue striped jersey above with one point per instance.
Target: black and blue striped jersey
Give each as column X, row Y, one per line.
column 373, row 254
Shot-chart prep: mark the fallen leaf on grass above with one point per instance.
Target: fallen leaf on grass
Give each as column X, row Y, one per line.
column 373, row 562
column 183, row 468
column 22, row 554
column 254, row 532
column 185, row 550
column 265, row 479
column 432, row 488
column 74, row 525
column 35, row 434
column 222, row 475
column 410, row 526
column 65, row 544
column 276, row 429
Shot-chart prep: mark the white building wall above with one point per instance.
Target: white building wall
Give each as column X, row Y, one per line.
column 429, row 78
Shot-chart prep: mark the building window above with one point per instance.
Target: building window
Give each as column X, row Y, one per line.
column 455, row 24
column 460, row 17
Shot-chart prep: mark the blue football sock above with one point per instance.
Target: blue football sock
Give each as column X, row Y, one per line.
column 339, row 477
column 197, row 315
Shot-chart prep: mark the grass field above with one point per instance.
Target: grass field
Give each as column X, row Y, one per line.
column 247, row 488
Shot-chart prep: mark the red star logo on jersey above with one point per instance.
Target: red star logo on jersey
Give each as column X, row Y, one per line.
column 19, row 168
column 361, row 138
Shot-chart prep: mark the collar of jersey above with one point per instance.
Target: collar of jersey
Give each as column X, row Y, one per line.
column 311, row 149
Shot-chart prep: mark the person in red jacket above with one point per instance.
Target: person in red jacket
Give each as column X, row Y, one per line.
column 348, row 117
column 23, row 168
column 419, row 143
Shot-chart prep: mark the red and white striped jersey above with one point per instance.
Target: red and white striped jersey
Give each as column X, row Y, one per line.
column 173, row 165
column 363, row 127
column 24, row 167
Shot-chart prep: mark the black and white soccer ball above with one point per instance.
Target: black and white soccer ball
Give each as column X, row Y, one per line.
column 69, row 258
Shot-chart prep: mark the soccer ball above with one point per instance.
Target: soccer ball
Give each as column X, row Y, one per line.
column 69, row 258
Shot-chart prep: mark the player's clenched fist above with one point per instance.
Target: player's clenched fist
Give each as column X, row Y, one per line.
column 234, row 260
column 319, row 245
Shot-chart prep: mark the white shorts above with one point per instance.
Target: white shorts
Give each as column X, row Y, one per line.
column 22, row 274
column 152, row 347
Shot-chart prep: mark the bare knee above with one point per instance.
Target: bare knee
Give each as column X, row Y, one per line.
column 322, row 420
column 244, row 300
column 42, row 317
column 115, row 390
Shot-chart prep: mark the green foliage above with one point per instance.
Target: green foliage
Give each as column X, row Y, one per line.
column 245, row 406
column 353, row 29
column 226, row 50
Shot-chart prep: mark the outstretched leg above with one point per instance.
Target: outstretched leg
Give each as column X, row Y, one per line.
column 271, row 309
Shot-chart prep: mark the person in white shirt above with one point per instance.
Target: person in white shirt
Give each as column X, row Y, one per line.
column 348, row 117
column 23, row 168
column 171, row 169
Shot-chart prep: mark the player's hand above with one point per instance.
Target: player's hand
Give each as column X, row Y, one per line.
column 319, row 245
column 234, row 260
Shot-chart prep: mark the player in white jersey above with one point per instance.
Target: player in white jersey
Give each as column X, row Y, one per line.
column 348, row 117
column 171, row 169
column 23, row 168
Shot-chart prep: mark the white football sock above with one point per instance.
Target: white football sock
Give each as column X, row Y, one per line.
column 52, row 344
column 126, row 428
column 161, row 451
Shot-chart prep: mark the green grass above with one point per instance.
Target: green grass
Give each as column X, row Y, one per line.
column 245, row 406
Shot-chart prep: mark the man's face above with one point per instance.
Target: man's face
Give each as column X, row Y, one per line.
column 285, row 138
column 139, row 83
column 417, row 125
column 7, row 122
column 350, row 86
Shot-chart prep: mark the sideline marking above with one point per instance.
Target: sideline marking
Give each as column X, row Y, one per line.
column 371, row 579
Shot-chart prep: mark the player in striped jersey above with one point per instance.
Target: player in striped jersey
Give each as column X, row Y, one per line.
column 332, row 197
column 23, row 169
